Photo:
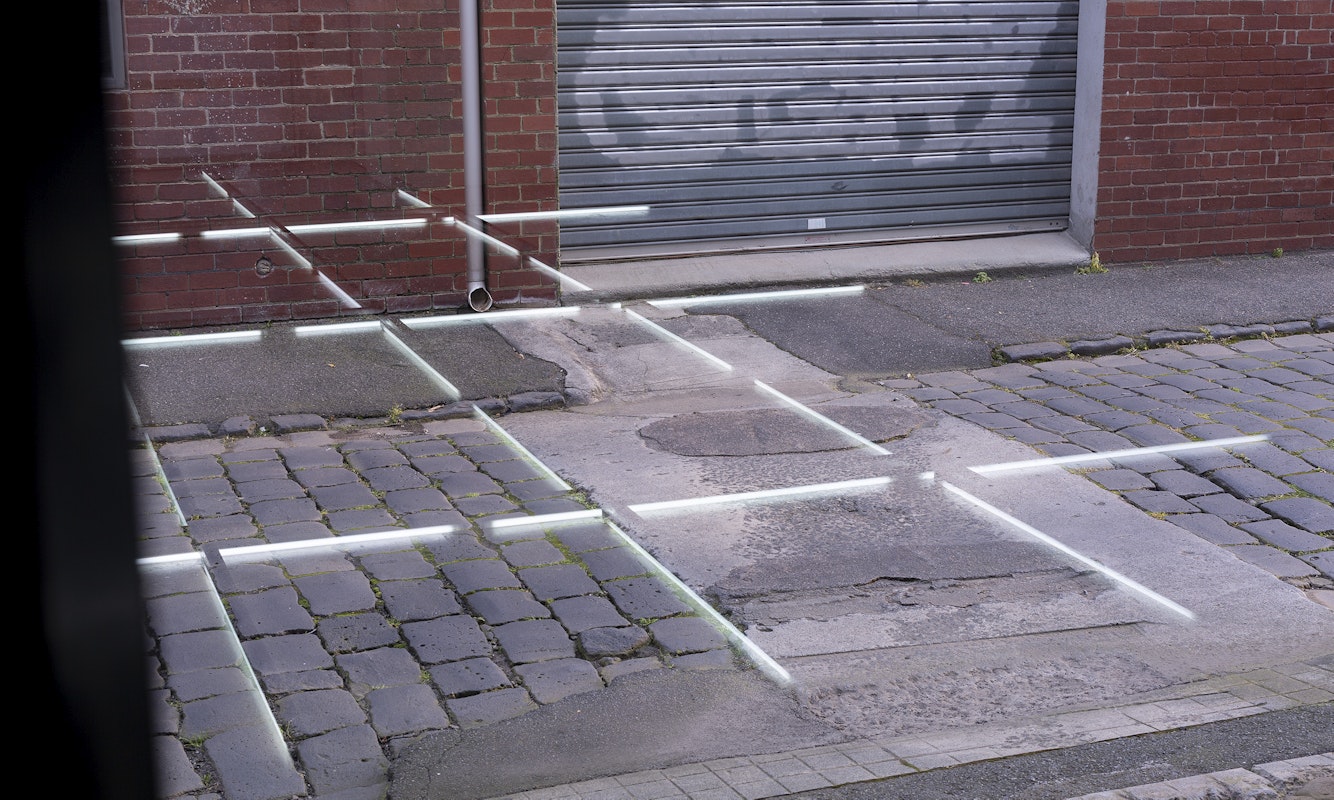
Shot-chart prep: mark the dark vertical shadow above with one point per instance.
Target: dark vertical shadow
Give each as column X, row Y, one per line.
column 88, row 682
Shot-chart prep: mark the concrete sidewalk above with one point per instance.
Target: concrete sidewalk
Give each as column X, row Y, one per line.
column 431, row 628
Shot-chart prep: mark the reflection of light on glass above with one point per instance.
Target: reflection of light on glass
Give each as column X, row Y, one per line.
column 661, row 331
column 569, row 282
column 567, row 213
column 412, row 200
column 509, row 523
column 761, row 659
column 170, row 560
column 236, row 233
column 214, row 185
column 194, row 338
column 337, row 291
column 1108, row 455
column 291, row 251
column 340, row 327
column 338, row 227
column 242, row 210
column 335, row 542
column 823, row 420
column 145, row 238
column 514, row 443
column 450, row 391
column 786, row 294
column 469, row 230
column 493, row 316
column 786, row 493
column 1085, row 560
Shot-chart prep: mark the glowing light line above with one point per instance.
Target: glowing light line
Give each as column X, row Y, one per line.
column 661, row 331
column 145, row 238
column 492, row 316
column 544, row 519
column 696, row 503
column 236, row 233
column 786, row 294
column 823, row 420
column 173, row 558
column 339, row 227
column 450, row 391
column 577, row 286
column 196, row 338
column 1083, row 559
column 514, row 443
column 412, row 200
column 217, row 187
column 291, row 251
column 762, row 659
column 337, row 291
column 335, row 542
column 569, row 213
column 1108, row 455
column 469, row 230
column 339, row 327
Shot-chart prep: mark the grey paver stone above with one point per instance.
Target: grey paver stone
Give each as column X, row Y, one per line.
column 343, row 759
column 185, row 469
column 478, row 710
column 679, row 635
column 1320, row 484
column 209, row 682
column 316, row 562
column 343, row 496
column 1274, row 561
column 581, row 538
column 1036, row 351
column 553, row 681
column 531, row 553
column 644, row 598
column 1183, row 483
column 1228, row 508
column 209, row 505
column 163, row 717
column 515, row 469
column 294, row 653
column 1282, row 535
column 470, row 676
column 296, row 532
column 397, row 710
column 1249, row 483
column 629, row 666
column 1120, row 480
column 252, row 766
column 447, row 639
column 249, row 578
column 387, row 666
column 305, row 457
column 349, row 632
column 172, row 768
column 412, row 501
column 325, row 477
column 1156, row 502
column 361, row 519
column 276, row 512
column 181, row 613
column 534, row 640
column 436, row 466
column 558, row 581
column 213, row 715
column 375, row 458
column 388, row 479
column 500, row 606
column 1304, row 512
column 411, row 600
column 271, row 489
column 1212, row 528
column 464, row 484
column 216, row 529
column 321, row 711
column 336, row 592
column 1324, row 562
column 538, row 490
column 612, row 641
column 579, row 614
column 305, row 681
column 398, row 565
column 458, row 546
column 709, row 659
column 272, row 611
column 472, row 576
column 484, row 505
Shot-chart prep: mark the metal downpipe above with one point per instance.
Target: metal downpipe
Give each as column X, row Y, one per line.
column 479, row 299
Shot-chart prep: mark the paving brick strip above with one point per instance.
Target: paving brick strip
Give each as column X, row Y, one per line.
column 336, row 652
column 1269, row 503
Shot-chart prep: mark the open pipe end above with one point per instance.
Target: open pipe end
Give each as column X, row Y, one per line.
column 479, row 299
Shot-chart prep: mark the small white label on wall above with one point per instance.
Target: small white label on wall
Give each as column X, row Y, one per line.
column 815, row 224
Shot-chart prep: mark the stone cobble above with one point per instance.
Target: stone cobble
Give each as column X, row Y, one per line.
column 1270, row 503
column 280, row 672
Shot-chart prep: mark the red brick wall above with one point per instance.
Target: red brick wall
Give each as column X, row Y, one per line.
column 310, row 111
column 1218, row 128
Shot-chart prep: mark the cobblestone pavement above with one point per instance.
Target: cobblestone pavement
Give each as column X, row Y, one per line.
column 1269, row 503
column 278, row 626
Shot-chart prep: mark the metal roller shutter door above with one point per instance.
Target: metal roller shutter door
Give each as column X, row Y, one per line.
column 780, row 123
